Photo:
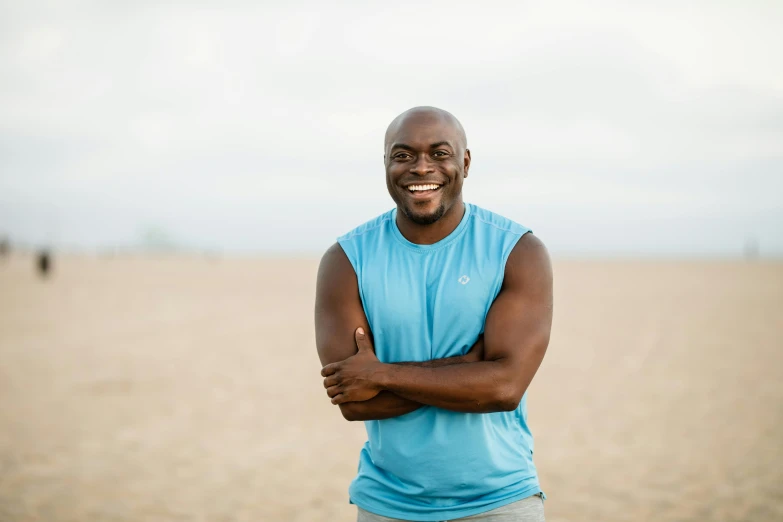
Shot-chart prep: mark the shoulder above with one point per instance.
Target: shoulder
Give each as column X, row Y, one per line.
column 529, row 264
column 334, row 256
column 365, row 238
column 335, row 270
column 339, row 260
column 493, row 221
column 368, row 228
column 529, row 248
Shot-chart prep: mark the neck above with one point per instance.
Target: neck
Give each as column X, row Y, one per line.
column 430, row 234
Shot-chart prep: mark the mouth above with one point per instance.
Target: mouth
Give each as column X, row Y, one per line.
column 423, row 190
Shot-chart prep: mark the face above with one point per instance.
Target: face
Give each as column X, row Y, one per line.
column 426, row 162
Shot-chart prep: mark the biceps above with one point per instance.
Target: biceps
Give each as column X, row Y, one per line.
column 516, row 326
column 338, row 310
column 334, row 332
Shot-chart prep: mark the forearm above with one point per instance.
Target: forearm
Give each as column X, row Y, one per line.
column 437, row 363
column 386, row 404
column 478, row 387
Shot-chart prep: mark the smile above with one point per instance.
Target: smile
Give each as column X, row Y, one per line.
column 423, row 189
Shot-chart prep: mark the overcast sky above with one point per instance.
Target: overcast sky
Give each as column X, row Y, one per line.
column 607, row 128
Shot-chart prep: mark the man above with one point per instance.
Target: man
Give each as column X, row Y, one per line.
column 431, row 321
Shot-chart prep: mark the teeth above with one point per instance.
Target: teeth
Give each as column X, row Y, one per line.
column 414, row 188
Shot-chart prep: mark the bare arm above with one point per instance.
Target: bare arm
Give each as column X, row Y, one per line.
column 338, row 313
column 516, row 337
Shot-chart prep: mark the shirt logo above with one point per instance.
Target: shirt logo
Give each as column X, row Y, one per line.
column 463, row 280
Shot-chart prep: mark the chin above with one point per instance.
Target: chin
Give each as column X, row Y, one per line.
column 427, row 218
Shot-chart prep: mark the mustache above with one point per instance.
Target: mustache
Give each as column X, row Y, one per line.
column 417, row 181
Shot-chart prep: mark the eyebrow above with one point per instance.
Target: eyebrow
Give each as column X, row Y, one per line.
column 440, row 144
column 432, row 146
column 401, row 146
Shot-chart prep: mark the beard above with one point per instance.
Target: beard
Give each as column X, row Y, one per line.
column 424, row 219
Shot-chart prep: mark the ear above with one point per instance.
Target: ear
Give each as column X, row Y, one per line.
column 467, row 162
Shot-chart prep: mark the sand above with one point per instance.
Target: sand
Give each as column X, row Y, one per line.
column 183, row 388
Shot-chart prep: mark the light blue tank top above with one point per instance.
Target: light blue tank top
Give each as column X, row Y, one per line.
column 427, row 302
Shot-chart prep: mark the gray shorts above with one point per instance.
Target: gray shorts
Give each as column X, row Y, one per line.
column 530, row 509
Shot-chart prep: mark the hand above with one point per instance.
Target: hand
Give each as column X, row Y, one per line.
column 476, row 353
column 351, row 380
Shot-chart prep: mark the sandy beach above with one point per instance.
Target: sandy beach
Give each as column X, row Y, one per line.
column 188, row 389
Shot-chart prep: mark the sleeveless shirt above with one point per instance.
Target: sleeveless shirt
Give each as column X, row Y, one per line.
column 427, row 302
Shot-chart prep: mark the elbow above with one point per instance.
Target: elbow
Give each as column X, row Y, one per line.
column 506, row 392
column 507, row 398
column 351, row 412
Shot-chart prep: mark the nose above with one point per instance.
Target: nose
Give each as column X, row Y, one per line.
column 422, row 166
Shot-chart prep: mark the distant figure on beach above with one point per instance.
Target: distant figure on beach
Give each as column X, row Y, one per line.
column 5, row 248
column 44, row 263
column 431, row 321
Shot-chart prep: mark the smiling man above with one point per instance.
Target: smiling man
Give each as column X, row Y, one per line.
column 431, row 321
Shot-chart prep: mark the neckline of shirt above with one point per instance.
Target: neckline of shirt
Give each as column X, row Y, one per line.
column 434, row 246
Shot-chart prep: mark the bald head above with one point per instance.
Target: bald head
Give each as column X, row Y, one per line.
column 426, row 147
column 426, row 116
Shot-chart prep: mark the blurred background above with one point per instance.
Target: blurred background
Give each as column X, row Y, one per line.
column 171, row 172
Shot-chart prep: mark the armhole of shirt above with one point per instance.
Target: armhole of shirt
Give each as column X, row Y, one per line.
column 504, row 260
column 350, row 250
column 350, row 253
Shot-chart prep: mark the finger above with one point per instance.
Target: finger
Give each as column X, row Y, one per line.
column 339, row 399
column 331, row 381
column 362, row 341
column 329, row 369
column 331, row 391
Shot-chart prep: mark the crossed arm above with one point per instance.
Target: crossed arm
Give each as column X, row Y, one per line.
column 492, row 376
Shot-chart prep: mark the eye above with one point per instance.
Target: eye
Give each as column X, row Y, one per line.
column 440, row 154
column 401, row 156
